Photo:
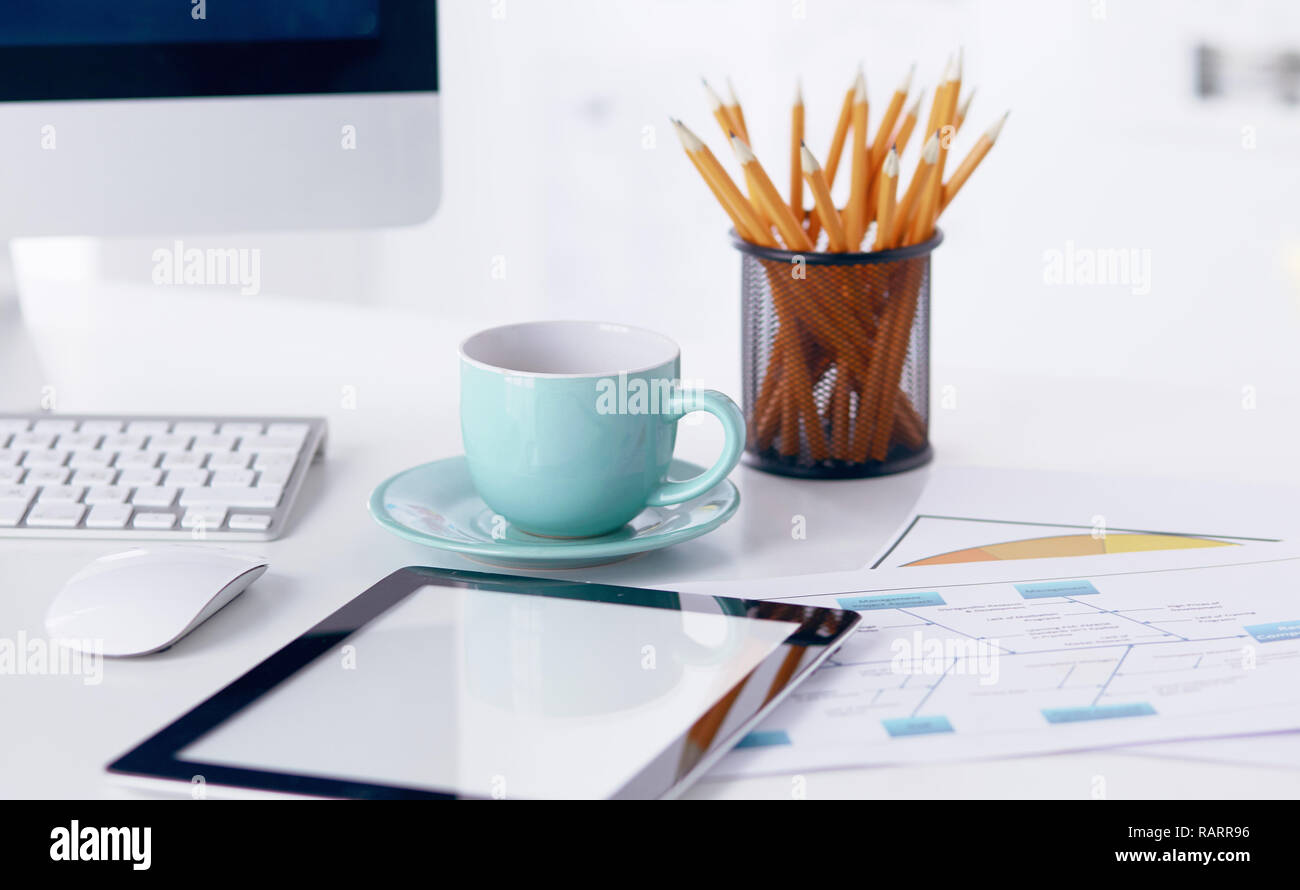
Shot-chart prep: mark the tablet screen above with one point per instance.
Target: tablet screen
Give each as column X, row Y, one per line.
column 499, row 695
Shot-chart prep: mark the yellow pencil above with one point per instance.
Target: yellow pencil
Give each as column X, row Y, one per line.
column 886, row 201
column 841, row 133
column 821, row 194
column 948, row 114
column 970, row 162
column 963, row 109
column 885, row 132
column 855, row 214
column 880, row 146
column 940, row 98
column 796, row 144
column 926, row 206
column 737, row 113
column 833, row 156
column 907, row 125
column 906, row 208
column 733, row 201
column 791, row 232
column 726, row 120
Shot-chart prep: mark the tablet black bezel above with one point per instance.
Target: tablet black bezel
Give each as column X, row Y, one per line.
column 155, row 758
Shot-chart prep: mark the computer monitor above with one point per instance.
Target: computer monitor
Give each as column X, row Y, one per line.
column 162, row 117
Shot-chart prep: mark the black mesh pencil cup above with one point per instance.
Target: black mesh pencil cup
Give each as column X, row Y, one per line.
column 836, row 360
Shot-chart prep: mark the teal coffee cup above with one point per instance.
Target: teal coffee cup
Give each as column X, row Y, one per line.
column 569, row 426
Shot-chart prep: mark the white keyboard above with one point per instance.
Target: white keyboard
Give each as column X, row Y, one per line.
column 92, row 476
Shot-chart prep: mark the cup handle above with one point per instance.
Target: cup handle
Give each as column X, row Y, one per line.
column 733, row 428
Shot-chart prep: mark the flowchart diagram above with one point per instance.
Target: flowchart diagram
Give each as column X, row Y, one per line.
column 1019, row 667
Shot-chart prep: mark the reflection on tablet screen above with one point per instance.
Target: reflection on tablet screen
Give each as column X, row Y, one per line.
column 497, row 695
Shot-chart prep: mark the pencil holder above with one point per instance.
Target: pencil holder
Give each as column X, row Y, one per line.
column 836, row 353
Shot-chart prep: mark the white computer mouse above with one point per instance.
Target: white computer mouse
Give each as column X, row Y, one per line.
column 144, row 600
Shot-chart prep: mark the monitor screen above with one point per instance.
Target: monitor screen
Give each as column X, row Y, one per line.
column 90, row 49
column 96, row 23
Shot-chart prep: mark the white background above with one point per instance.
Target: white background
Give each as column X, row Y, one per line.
column 546, row 106
column 544, row 116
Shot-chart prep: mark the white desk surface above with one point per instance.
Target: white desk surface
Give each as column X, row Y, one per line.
column 164, row 350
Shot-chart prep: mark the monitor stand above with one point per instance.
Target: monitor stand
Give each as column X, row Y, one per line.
column 22, row 380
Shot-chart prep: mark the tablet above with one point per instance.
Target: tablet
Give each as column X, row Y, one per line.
column 451, row 684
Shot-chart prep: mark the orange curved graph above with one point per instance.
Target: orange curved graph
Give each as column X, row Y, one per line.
column 1070, row 545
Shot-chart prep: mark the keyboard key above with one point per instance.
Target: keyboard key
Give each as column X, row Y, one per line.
column 169, row 442
column 107, row 494
column 11, row 425
column 78, row 441
column 153, row 520
column 228, row 460
column 9, row 457
column 251, row 522
column 265, row 496
column 22, row 493
column 213, row 443
column 97, row 458
column 29, row 441
column 47, row 458
column 176, row 460
column 205, row 517
column 184, row 477
column 47, row 476
column 241, row 429
column 195, row 428
column 124, row 442
column 70, row 493
column 154, row 496
column 137, row 459
column 274, row 460
column 275, row 476
column 10, row 475
column 94, row 476
column 147, row 427
column 236, row 478
column 54, row 426
column 108, row 516
column 137, row 477
column 103, row 427
column 270, row 444
column 11, row 513
column 56, row 514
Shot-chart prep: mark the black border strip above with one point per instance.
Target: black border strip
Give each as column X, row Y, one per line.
column 815, row 258
column 403, row 58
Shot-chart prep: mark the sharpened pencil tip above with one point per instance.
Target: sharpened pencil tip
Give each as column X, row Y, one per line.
column 731, row 92
column 890, row 167
column 916, row 106
column 930, row 153
column 994, row 131
column 743, row 152
column 807, row 160
column 906, row 86
column 965, row 106
column 690, row 141
column 715, row 101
